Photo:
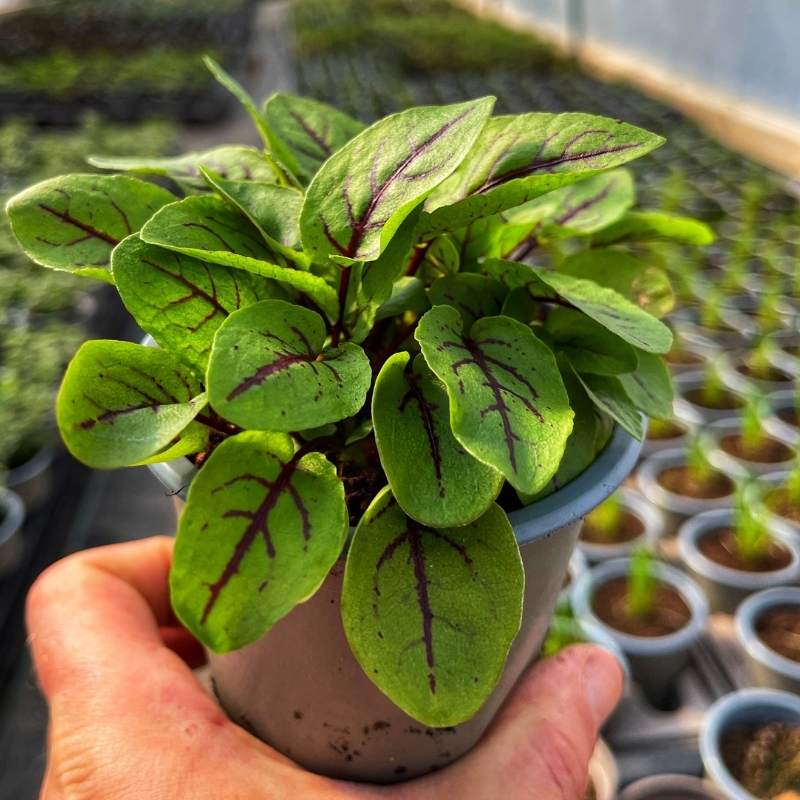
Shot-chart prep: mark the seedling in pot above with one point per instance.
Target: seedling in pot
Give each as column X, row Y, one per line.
column 714, row 393
column 784, row 500
column 661, row 429
column 753, row 443
column 750, row 533
column 758, row 363
column 698, row 478
column 642, row 584
column 712, row 309
column 327, row 358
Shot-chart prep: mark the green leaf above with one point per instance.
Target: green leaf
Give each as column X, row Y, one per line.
column 491, row 237
column 274, row 210
column 120, row 403
column 648, row 226
column 362, row 193
column 72, row 223
column 181, row 301
column 194, row 438
column 508, row 405
column 268, row 370
column 232, row 162
column 609, row 395
column 612, row 311
column 519, row 158
column 408, row 294
column 587, row 344
column 262, row 527
column 310, row 131
column 474, row 296
column 433, row 478
column 650, row 386
column 431, row 614
column 441, row 259
column 647, row 286
column 208, row 228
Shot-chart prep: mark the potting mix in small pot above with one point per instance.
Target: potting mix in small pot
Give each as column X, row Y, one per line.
column 345, row 339
column 696, row 478
column 709, row 394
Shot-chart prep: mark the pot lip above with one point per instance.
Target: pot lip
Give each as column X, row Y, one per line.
column 784, row 705
column 15, row 514
column 745, row 622
column 692, row 530
column 694, row 379
column 742, row 467
column 558, row 510
column 34, row 466
column 649, row 787
column 648, row 515
column 643, row 645
column 652, row 490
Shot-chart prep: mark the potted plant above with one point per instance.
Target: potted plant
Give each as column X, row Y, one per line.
column 745, row 447
column 768, row 630
column 671, row 432
column 735, row 552
column 779, row 493
column 654, row 612
column 708, row 395
column 689, row 353
column 619, row 525
column 749, row 744
column 758, row 369
column 684, row 482
column 783, row 421
column 327, row 360
column 12, row 517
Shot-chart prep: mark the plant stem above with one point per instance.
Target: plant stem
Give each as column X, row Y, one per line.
column 344, row 283
column 219, row 425
column 417, row 257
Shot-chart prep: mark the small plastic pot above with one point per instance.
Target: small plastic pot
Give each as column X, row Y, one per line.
column 726, row 587
column 653, row 528
column 703, row 350
column 744, row 383
column 576, row 569
column 745, row 306
column 780, row 355
column 33, row 479
column 655, row 661
column 12, row 510
column 770, row 481
column 767, row 667
column 741, row 467
column 671, row 787
column 737, row 334
column 689, row 381
column 744, row 708
column 784, row 400
column 685, row 418
column 675, row 508
column 603, row 772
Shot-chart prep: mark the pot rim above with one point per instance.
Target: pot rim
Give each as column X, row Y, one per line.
column 38, row 463
column 785, row 706
column 693, row 528
column 649, row 787
column 745, row 622
column 15, row 514
column 644, row 645
column 695, row 379
column 559, row 509
column 742, row 467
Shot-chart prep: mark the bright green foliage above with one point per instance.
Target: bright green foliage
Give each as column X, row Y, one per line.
column 749, row 526
column 793, row 484
column 751, row 423
column 430, row 613
column 344, row 321
column 649, row 226
column 699, row 467
column 642, row 583
column 607, row 517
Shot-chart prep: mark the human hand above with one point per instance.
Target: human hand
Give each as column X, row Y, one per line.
column 130, row 721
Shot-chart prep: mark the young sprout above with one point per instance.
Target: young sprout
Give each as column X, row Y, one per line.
column 714, row 388
column 793, row 484
column 699, row 467
column 751, row 425
column 607, row 517
column 767, row 311
column 758, row 361
column 749, row 531
column 711, row 311
column 674, row 191
column 641, row 583
column 564, row 631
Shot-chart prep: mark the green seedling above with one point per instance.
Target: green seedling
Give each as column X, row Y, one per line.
column 752, row 423
column 607, row 517
column 700, row 469
column 750, row 532
column 642, row 584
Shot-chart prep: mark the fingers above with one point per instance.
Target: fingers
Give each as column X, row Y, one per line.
column 541, row 742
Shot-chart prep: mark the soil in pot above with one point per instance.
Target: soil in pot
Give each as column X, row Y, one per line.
column 764, row 759
column 719, row 399
column 669, row 612
column 626, row 527
column 764, row 372
column 789, row 415
column 660, row 430
column 719, row 545
column 779, row 502
column 779, row 628
column 684, row 358
column 765, row 451
column 686, row 482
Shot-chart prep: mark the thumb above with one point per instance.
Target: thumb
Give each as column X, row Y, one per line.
column 541, row 742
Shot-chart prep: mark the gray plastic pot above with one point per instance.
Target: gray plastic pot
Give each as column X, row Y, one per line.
column 675, row 508
column 765, row 666
column 688, row 381
column 741, row 709
column 650, row 517
column 11, row 544
column 726, row 587
column 575, row 569
column 671, row 787
column 33, row 480
column 703, row 348
column 744, row 383
column 741, row 467
column 784, row 400
column 300, row 689
column 686, row 418
column 654, row 661
column 770, row 481
column 780, row 356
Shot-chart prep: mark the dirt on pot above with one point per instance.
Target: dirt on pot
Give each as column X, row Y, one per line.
column 765, row 759
column 681, row 481
column 628, row 528
column 724, row 400
column 779, row 502
column 669, row 611
column 719, row 545
column 779, row 628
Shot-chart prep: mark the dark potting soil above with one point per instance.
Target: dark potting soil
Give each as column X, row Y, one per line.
column 767, row 451
column 719, row 545
column 764, row 373
column 779, row 502
column 779, row 628
column 723, row 401
column 683, row 358
column 764, row 759
column 664, row 431
column 789, row 415
column 670, row 612
column 629, row 527
column 679, row 480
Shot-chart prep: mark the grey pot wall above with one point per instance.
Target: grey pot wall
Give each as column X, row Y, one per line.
column 300, row 689
column 770, row 481
column 766, row 667
column 11, row 544
column 784, row 400
column 33, row 480
column 740, row 467
column 696, row 380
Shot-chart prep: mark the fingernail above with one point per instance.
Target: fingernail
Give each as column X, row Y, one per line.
column 602, row 683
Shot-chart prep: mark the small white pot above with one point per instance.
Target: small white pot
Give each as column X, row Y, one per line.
column 11, row 544
column 741, row 467
column 770, row 481
column 784, row 400
column 689, row 381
